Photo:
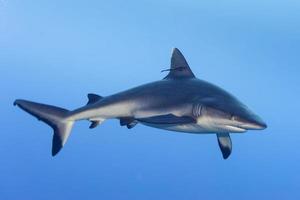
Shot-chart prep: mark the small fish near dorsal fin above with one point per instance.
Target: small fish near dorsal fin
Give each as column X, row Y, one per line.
column 179, row 67
column 93, row 98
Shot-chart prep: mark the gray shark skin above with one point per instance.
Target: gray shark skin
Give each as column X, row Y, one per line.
column 180, row 102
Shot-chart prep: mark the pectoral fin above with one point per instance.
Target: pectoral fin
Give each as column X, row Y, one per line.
column 167, row 119
column 224, row 144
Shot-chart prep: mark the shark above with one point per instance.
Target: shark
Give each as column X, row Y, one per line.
column 179, row 102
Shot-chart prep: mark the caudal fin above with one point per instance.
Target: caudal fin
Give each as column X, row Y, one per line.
column 53, row 116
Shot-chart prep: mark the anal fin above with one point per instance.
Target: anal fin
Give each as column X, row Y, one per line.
column 95, row 122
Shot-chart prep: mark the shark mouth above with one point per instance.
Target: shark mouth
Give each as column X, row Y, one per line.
column 235, row 129
column 243, row 127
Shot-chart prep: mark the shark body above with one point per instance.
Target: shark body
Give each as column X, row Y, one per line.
column 180, row 102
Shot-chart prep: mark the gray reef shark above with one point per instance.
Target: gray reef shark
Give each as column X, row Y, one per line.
column 180, row 102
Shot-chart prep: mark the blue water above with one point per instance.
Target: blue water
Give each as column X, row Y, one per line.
column 56, row 52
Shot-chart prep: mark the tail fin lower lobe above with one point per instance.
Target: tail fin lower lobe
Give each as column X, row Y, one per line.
column 53, row 116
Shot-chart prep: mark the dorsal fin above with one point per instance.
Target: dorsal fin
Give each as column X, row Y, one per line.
column 93, row 98
column 179, row 67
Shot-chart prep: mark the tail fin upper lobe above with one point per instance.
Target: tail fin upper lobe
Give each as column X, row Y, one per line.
column 53, row 116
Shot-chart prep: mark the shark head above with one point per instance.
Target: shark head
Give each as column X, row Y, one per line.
column 221, row 120
column 221, row 112
column 215, row 109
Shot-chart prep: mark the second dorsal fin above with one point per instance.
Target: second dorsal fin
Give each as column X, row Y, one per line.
column 93, row 98
column 179, row 67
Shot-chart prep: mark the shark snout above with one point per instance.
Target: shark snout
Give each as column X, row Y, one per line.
column 251, row 123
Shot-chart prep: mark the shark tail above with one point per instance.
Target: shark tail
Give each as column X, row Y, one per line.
column 53, row 116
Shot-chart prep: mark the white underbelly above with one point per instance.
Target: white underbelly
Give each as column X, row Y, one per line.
column 187, row 128
column 202, row 126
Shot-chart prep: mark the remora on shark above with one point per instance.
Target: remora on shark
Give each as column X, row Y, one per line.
column 180, row 102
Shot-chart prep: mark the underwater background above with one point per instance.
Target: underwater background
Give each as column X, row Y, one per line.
column 55, row 52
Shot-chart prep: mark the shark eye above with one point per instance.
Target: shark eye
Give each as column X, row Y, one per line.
column 233, row 117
